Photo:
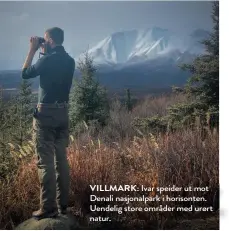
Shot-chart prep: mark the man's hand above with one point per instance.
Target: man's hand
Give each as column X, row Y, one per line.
column 34, row 44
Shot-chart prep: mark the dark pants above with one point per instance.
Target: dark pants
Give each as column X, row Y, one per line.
column 51, row 137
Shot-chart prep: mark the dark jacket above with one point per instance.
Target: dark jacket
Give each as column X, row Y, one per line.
column 56, row 72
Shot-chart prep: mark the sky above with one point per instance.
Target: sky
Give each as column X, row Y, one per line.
column 87, row 23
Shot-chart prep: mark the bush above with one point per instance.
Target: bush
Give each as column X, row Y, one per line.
column 155, row 124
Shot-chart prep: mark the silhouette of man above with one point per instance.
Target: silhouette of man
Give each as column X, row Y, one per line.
column 50, row 120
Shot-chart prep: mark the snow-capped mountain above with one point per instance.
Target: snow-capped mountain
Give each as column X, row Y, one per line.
column 147, row 58
column 139, row 45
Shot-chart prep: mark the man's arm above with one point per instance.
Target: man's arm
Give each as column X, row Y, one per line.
column 34, row 70
column 28, row 70
column 29, row 59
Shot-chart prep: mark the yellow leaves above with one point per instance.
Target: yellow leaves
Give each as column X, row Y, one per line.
column 30, row 142
column 85, row 124
column 18, row 151
column 11, row 146
column 16, row 154
column 153, row 141
column 71, row 138
column 22, row 152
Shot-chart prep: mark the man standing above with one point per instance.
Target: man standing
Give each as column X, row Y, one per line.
column 51, row 121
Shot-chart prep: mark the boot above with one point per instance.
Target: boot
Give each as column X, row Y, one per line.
column 63, row 210
column 41, row 214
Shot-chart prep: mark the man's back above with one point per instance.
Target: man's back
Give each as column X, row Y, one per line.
column 56, row 72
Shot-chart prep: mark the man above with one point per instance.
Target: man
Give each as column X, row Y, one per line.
column 50, row 122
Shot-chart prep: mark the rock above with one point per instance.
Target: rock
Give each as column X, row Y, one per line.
column 211, row 223
column 62, row 222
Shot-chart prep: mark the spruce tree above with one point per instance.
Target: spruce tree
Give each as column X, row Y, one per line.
column 204, row 82
column 88, row 100
column 24, row 109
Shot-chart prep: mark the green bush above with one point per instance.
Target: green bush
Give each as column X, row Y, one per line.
column 153, row 124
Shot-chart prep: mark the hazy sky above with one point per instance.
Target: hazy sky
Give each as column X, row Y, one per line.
column 86, row 23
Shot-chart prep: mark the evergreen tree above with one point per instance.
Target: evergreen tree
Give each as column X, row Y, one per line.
column 24, row 109
column 88, row 100
column 204, row 82
column 128, row 101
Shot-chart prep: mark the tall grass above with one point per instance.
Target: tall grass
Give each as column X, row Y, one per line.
column 182, row 158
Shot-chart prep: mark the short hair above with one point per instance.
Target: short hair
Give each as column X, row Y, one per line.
column 56, row 34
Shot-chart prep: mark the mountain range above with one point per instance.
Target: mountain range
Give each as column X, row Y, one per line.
column 146, row 58
column 138, row 59
column 133, row 46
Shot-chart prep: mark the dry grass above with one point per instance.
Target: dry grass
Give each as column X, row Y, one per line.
column 151, row 106
column 181, row 158
column 119, row 155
